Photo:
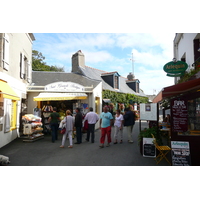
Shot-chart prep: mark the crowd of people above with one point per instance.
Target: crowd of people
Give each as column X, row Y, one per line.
column 107, row 119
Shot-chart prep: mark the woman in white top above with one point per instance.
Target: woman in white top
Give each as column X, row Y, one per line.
column 119, row 120
column 69, row 124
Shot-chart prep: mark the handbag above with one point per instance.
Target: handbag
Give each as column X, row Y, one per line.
column 63, row 130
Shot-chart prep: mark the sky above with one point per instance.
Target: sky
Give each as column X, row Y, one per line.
column 144, row 54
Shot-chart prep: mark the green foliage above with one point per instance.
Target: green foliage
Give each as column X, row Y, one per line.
column 146, row 133
column 38, row 63
column 188, row 75
column 117, row 97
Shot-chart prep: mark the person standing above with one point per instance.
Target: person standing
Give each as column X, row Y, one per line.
column 54, row 124
column 92, row 119
column 78, row 125
column 129, row 121
column 119, row 120
column 69, row 125
column 106, row 121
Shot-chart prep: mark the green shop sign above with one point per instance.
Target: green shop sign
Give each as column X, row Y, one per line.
column 174, row 69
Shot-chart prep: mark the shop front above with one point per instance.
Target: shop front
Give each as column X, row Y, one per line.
column 9, row 109
column 64, row 96
column 185, row 115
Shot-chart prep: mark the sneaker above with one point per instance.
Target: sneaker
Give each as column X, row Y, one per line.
column 108, row 145
column 130, row 141
column 101, row 146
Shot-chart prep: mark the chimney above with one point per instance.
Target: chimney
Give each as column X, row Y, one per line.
column 78, row 62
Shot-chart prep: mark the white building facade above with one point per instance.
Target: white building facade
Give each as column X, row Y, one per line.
column 187, row 49
column 15, row 75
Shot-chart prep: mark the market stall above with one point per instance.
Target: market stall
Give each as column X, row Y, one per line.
column 32, row 128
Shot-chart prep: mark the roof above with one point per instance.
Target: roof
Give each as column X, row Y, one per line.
column 95, row 74
column 42, row 78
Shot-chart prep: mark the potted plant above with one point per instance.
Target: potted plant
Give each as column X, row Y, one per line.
column 146, row 133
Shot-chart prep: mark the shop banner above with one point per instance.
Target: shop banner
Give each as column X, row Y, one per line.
column 179, row 114
column 180, row 153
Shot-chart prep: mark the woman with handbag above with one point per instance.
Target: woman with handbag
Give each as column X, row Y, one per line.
column 69, row 125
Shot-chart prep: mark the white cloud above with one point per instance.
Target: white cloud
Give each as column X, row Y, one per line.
column 153, row 80
column 150, row 50
column 97, row 57
column 155, row 60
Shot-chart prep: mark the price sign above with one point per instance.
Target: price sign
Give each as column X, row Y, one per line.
column 149, row 149
column 180, row 153
column 179, row 113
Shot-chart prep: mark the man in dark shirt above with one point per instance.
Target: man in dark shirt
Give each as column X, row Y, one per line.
column 129, row 121
column 54, row 123
column 78, row 125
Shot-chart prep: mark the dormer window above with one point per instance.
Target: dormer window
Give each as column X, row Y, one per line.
column 112, row 78
column 116, row 81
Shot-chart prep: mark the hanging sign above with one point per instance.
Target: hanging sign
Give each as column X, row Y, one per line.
column 174, row 69
column 179, row 114
column 180, row 153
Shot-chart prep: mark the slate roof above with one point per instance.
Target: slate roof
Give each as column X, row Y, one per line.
column 42, row 78
column 96, row 75
column 90, row 76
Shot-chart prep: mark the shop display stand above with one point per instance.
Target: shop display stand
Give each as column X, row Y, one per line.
column 32, row 130
column 46, row 111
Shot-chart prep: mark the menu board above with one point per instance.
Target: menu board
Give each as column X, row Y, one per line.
column 149, row 149
column 179, row 114
column 180, row 153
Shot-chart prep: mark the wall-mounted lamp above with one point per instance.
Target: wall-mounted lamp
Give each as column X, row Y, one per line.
column 174, row 59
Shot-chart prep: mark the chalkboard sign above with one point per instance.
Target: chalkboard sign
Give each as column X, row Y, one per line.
column 180, row 153
column 149, row 149
column 179, row 114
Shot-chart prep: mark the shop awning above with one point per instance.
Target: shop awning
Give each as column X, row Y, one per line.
column 7, row 91
column 107, row 100
column 178, row 89
column 59, row 96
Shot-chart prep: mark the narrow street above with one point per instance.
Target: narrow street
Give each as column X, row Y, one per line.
column 45, row 153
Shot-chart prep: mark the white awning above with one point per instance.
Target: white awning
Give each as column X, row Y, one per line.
column 107, row 100
column 59, row 96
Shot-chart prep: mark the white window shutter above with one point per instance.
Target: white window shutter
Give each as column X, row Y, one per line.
column 29, row 70
column 6, row 52
column 22, row 67
column 7, row 115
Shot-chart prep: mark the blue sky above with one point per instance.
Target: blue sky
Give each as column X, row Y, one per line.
column 113, row 52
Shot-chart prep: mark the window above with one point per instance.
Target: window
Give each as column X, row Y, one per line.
column 116, row 82
column 10, row 115
column 194, row 115
column 6, row 52
column 25, row 68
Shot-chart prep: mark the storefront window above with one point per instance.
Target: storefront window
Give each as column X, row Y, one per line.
column 194, row 116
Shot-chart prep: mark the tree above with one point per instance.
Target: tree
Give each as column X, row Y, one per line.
column 38, row 63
